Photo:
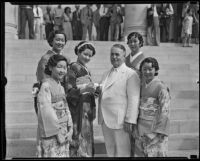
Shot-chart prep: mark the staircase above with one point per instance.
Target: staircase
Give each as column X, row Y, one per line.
column 179, row 68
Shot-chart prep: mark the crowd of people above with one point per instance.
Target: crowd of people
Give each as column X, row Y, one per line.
column 106, row 22
column 133, row 103
column 160, row 17
column 82, row 23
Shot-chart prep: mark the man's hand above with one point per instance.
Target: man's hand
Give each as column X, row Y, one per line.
column 128, row 127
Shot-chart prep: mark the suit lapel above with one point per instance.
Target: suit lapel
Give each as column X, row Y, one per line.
column 108, row 84
column 116, row 78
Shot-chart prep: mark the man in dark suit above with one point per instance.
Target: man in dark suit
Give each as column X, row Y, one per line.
column 26, row 14
column 76, row 24
column 104, row 21
column 96, row 20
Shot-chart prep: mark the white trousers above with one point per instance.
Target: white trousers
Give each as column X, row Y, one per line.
column 117, row 142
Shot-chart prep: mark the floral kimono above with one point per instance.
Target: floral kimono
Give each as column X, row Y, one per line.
column 40, row 74
column 83, row 111
column 153, row 120
column 54, row 121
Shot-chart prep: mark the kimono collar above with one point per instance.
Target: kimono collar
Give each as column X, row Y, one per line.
column 148, row 84
column 135, row 56
column 61, row 53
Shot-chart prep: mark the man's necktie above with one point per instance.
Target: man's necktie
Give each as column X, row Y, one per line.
column 88, row 12
column 37, row 11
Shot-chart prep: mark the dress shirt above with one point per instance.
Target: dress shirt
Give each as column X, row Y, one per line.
column 103, row 10
column 155, row 13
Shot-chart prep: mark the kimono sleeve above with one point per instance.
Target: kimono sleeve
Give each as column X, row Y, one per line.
column 47, row 118
column 73, row 93
column 162, row 122
column 70, row 123
column 40, row 69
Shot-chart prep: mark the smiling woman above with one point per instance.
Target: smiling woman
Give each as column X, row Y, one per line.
column 55, row 126
column 135, row 42
column 153, row 119
column 57, row 41
column 80, row 96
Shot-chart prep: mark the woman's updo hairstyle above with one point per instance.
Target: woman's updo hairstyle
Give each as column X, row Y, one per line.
column 84, row 45
column 53, row 61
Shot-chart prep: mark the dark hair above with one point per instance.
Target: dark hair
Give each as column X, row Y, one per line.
column 52, row 36
column 136, row 34
column 79, row 49
column 120, row 46
column 66, row 8
column 188, row 10
column 154, row 64
column 53, row 61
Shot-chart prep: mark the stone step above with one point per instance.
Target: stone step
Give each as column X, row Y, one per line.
column 30, row 116
column 14, row 70
column 94, row 64
column 27, row 105
column 188, row 94
column 71, row 44
column 22, row 96
column 26, row 130
column 27, row 78
column 27, row 147
column 21, row 87
column 189, row 65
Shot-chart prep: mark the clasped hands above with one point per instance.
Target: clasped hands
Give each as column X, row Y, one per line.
column 63, row 138
column 91, row 88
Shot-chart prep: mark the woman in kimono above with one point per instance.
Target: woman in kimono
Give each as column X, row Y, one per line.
column 57, row 40
column 135, row 42
column 133, row 60
column 55, row 126
column 153, row 120
column 81, row 101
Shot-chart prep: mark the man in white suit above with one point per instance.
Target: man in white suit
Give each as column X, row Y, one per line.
column 118, row 104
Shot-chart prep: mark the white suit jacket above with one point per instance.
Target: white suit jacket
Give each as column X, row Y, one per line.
column 119, row 100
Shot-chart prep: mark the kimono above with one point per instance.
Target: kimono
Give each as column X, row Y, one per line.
column 135, row 64
column 83, row 110
column 55, row 126
column 41, row 65
column 153, row 120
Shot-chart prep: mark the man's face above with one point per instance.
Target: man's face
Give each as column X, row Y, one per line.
column 77, row 6
column 117, row 56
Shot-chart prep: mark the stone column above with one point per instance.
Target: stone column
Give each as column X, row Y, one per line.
column 11, row 21
column 135, row 19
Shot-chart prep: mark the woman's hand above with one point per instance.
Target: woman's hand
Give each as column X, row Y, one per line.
column 128, row 127
column 98, row 90
column 90, row 87
column 68, row 136
column 60, row 138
